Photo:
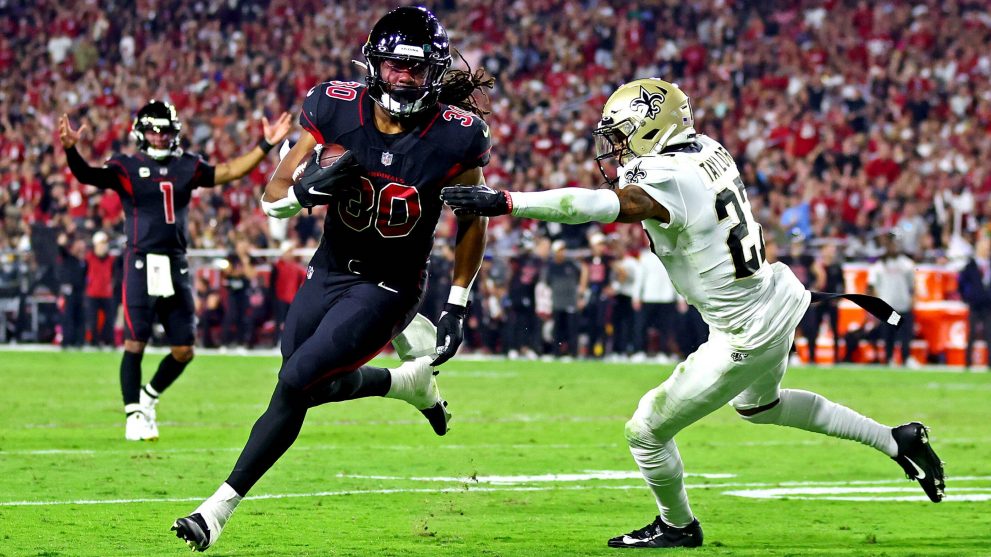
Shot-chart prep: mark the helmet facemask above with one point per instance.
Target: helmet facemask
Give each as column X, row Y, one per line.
column 158, row 117
column 405, row 100
column 612, row 141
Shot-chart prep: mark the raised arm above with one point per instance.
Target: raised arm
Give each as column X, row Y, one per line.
column 101, row 177
column 564, row 205
column 273, row 134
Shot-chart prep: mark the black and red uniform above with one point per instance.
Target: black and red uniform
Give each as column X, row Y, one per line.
column 366, row 279
column 156, row 196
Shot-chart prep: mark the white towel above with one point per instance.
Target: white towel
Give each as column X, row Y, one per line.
column 160, row 276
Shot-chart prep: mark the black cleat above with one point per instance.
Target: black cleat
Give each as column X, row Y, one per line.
column 193, row 530
column 659, row 534
column 438, row 416
column 918, row 459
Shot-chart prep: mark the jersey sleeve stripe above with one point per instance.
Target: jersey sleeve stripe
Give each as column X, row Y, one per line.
column 125, row 178
column 430, row 125
column 313, row 129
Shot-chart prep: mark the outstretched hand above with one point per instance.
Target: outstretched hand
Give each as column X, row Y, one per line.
column 68, row 136
column 276, row 132
column 477, row 200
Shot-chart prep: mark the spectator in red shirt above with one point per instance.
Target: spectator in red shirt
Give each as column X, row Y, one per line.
column 100, row 292
column 287, row 276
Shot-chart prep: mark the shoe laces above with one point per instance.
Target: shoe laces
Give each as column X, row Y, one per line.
column 650, row 530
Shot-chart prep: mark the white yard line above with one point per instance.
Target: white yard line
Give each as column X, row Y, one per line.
column 825, row 490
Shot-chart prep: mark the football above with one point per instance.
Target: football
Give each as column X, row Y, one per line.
column 327, row 154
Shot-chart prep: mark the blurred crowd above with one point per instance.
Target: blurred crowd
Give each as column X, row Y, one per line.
column 847, row 118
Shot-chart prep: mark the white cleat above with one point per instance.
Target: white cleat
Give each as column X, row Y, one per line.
column 416, row 383
column 139, row 429
column 201, row 529
column 148, row 404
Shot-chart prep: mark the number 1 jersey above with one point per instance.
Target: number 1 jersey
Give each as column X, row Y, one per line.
column 712, row 248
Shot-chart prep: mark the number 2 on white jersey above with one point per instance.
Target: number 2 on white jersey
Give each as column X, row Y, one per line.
column 746, row 263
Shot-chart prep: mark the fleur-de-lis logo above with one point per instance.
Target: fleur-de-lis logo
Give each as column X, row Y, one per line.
column 634, row 174
column 648, row 104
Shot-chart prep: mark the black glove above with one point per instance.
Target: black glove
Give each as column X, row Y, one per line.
column 317, row 186
column 450, row 331
column 477, row 200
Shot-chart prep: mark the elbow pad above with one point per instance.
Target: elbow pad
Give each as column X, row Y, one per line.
column 283, row 208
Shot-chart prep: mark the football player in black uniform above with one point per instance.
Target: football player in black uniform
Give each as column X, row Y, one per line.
column 155, row 185
column 408, row 131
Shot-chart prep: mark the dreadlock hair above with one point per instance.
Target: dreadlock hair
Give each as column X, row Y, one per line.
column 458, row 88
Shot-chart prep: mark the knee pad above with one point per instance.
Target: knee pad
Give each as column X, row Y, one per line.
column 643, row 429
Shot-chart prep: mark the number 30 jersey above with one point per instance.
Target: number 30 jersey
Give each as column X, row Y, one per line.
column 712, row 248
column 383, row 225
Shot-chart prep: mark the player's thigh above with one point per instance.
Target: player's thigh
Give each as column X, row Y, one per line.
column 139, row 311
column 307, row 310
column 766, row 388
column 355, row 327
column 177, row 313
column 709, row 378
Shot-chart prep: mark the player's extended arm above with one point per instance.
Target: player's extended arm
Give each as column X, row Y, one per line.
column 273, row 134
column 468, row 252
column 564, row 205
column 100, row 177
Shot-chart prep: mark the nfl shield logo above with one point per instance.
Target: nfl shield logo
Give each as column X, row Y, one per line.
column 386, row 158
column 309, row 272
column 163, row 170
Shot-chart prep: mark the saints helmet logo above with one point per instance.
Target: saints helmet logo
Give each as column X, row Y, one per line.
column 634, row 174
column 648, row 104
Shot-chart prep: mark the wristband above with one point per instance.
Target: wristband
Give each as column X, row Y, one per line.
column 264, row 145
column 458, row 296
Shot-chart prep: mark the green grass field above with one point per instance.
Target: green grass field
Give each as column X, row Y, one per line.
column 369, row 478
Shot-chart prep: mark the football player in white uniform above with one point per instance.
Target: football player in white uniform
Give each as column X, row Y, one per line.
column 687, row 192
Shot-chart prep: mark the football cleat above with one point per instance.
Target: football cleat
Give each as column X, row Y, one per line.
column 194, row 531
column 660, row 534
column 138, row 428
column 148, row 404
column 918, row 459
column 416, row 383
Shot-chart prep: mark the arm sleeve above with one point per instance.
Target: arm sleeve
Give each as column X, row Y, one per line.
column 204, row 175
column 566, row 205
column 104, row 177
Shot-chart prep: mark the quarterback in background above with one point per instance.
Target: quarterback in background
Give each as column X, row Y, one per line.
column 409, row 130
column 686, row 191
column 156, row 185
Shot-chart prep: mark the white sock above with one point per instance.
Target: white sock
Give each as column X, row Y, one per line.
column 151, row 391
column 218, row 508
column 132, row 408
column 402, row 383
column 812, row 412
column 664, row 473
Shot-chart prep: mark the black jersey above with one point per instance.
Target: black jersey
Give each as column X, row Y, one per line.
column 383, row 225
column 155, row 195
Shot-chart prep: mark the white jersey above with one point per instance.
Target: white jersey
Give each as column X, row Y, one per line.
column 713, row 249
